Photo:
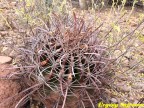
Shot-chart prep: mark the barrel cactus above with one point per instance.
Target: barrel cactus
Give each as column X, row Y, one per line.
column 69, row 59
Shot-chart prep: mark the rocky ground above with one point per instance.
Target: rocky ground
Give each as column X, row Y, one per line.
column 9, row 87
column 128, row 80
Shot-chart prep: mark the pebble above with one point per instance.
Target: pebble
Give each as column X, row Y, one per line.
column 13, row 4
column 5, row 59
column 113, row 100
column 141, row 71
column 3, row 33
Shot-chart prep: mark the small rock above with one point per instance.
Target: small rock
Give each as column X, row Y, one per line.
column 113, row 100
column 13, row 4
column 136, row 101
column 9, row 89
column 131, row 99
column 134, row 24
column 141, row 71
column 3, row 33
column 5, row 59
